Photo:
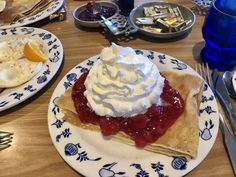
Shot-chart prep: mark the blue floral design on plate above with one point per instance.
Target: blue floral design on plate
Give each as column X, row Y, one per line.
column 47, row 36
column 27, row 30
column 141, row 173
column 207, row 109
column 30, row 88
column 52, row 42
column 139, row 52
column 150, row 55
column 55, row 46
column 73, row 149
column 56, row 57
column 106, row 171
column 71, row 78
column 13, row 31
column 179, row 163
column 162, row 58
column 3, row 103
column 82, row 69
column 90, row 63
column 66, row 134
column 58, row 123
column 179, row 65
column 4, row 32
column 205, row 134
column 158, row 167
column 16, row 95
column 55, row 109
column 206, row 99
column 206, row 87
column 43, row 78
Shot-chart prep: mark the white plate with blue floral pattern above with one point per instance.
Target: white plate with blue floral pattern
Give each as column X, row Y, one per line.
column 52, row 8
column 54, row 49
column 92, row 155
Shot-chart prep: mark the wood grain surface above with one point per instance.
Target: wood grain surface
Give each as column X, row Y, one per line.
column 32, row 153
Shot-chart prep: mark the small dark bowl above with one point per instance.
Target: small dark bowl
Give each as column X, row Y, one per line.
column 186, row 12
column 93, row 24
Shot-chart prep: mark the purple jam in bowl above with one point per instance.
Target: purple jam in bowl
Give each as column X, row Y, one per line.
column 87, row 14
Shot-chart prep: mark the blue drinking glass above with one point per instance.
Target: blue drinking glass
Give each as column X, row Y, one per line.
column 219, row 32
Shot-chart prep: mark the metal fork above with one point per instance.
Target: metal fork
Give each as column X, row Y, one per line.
column 229, row 139
column 5, row 139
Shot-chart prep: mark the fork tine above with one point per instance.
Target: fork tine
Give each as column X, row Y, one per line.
column 5, row 136
column 202, row 73
column 197, row 66
column 6, row 141
column 200, row 70
column 4, row 146
column 3, row 132
column 210, row 81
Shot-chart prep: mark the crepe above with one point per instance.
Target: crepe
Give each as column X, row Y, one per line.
column 181, row 139
column 17, row 9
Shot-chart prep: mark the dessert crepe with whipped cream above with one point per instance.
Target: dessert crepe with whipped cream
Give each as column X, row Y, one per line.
column 15, row 9
column 181, row 139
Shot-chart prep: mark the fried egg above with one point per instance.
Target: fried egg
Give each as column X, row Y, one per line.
column 15, row 69
column 17, row 72
column 12, row 49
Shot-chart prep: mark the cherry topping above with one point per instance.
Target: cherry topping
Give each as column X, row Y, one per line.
column 109, row 126
column 138, row 122
column 143, row 129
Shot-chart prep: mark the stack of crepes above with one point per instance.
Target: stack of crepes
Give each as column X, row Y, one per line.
column 19, row 9
column 181, row 139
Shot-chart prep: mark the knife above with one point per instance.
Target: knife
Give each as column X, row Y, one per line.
column 223, row 95
column 230, row 143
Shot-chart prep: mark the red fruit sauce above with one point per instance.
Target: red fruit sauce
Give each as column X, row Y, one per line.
column 143, row 129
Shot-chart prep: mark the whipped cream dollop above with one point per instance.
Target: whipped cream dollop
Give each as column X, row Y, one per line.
column 122, row 83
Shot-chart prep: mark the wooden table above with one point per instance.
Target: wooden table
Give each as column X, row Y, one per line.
column 32, row 152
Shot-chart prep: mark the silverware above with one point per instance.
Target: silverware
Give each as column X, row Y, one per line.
column 229, row 139
column 230, row 143
column 227, row 77
column 5, row 139
column 97, row 11
column 223, row 95
column 41, row 5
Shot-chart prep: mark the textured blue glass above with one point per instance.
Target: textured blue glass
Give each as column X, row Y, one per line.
column 219, row 32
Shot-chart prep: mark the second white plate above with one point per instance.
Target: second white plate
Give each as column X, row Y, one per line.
column 53, row 46
column 91, row 155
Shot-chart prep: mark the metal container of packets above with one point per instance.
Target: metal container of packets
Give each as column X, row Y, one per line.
column 162, row 19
